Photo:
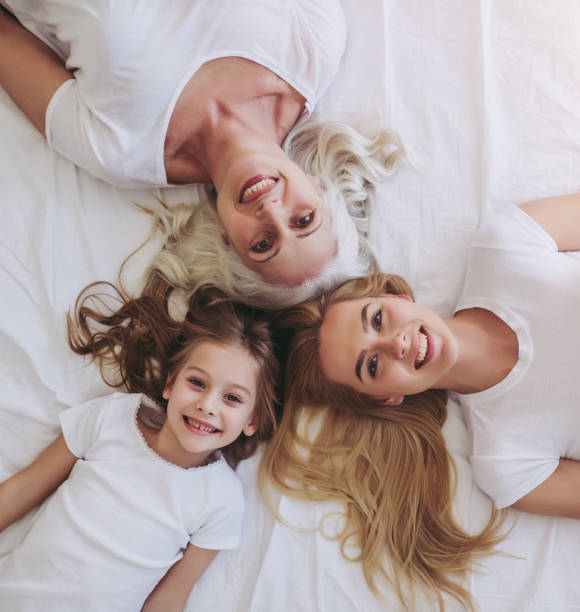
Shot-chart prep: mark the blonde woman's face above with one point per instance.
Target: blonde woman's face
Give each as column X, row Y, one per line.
column 386, row 347
column 275, row 218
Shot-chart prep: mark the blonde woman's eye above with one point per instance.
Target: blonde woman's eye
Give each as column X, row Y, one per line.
column 304, row 221
column 372, row 366
column 230, row 397
column 262, row 246
column 378, row 320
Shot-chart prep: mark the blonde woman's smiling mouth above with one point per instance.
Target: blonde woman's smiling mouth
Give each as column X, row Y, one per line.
column 256, row 187
column 424, row 348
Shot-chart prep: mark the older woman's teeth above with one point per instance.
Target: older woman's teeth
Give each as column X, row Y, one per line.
column 422, row 349
column 257, row 187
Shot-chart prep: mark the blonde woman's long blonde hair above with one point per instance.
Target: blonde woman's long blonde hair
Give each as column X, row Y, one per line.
column 388, row 465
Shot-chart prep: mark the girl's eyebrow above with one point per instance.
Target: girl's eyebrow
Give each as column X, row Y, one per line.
column 233, row 384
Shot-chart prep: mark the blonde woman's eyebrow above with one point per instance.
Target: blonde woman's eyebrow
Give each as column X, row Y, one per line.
column 364, row 318
column 358, row 366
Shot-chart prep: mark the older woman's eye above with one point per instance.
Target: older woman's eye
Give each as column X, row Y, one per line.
column 378, row 320
column 262, row 246
column 304, row 221
column 372, row 366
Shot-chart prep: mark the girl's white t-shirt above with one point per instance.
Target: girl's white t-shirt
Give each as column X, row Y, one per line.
column 523, row 425
column 132, row 58
column 110, row 532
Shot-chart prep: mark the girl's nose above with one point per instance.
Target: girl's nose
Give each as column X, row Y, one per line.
column 205, row 405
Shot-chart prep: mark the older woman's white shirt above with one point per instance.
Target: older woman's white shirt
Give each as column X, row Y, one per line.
column 132, row 59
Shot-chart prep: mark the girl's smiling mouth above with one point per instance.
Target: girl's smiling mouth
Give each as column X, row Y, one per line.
column 199, row 427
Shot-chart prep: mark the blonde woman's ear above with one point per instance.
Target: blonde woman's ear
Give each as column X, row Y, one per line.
column 392, row 400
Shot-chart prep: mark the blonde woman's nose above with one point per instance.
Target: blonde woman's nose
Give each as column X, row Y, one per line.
column 397, row 344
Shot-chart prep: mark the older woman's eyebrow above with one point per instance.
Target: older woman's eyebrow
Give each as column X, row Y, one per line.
column 305, row 235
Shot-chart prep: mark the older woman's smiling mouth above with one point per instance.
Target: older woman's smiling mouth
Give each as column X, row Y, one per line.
column 256, row 187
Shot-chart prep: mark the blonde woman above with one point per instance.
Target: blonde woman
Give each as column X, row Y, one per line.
column 380, row 363
column 146, row 93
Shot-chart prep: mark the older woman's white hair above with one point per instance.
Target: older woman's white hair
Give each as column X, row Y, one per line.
column 348, row 164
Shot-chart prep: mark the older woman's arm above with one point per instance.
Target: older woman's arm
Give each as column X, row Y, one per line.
column 30, row 71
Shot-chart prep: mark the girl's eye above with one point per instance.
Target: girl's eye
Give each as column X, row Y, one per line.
column 372, row 366
column 262, row 246
column 305, row 220
column 378, row 320
column 230, row 397
column 196, row 382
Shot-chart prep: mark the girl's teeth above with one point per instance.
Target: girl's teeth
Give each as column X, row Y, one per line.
column 257, row 187
column 422, row 349
column 205, row 428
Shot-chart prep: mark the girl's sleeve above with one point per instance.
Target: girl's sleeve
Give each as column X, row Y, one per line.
column 82, row 424
column 222, row 527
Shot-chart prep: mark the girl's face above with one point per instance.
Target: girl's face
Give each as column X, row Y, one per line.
column 275, row 218
column 386, row 347
column 211, row 401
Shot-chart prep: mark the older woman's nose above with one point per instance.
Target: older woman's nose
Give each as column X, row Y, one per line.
column 268, row 207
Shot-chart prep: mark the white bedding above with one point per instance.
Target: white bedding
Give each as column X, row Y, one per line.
column 486, row 97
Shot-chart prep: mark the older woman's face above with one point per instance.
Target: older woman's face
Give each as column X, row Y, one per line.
column 386, row 347
column 275, row 218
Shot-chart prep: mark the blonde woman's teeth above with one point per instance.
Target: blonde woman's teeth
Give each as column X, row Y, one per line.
column 422, row 349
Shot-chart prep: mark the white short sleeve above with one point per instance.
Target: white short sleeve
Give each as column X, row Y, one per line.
column 223, row 527
column 507, row 479
column 81, row 425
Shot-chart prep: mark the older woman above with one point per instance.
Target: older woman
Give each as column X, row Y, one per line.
column 151, row 93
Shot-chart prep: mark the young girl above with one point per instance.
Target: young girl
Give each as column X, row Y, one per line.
column 147, row 497
column 377, row 360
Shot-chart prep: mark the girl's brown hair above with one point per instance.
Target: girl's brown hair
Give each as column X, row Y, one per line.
column 138, row 344
column 388, row 465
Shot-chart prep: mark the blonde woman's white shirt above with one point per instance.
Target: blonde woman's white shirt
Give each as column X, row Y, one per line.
column 111, row 531
column 132, row 58
column 523, row 425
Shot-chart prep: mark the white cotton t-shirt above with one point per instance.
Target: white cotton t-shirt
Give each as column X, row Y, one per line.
column 523, row 425
column 132, row 59
column 110, row 532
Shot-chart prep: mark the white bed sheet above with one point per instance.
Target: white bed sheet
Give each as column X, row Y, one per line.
column 486, row 97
